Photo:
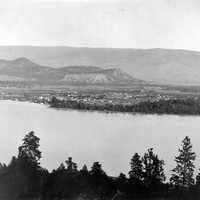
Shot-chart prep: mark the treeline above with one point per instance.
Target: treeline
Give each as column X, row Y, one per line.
column 172, row 106
column 24, row 177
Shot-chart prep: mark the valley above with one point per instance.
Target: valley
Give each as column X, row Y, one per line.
column 95, row 86
column 157, row 66
column 107, row 98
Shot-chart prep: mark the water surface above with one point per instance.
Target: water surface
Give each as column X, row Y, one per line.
column 91, row 136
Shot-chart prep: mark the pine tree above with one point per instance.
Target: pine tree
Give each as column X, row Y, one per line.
column 136, row 171
column 84, row 170
column 153, row 168
column 198, row 179
column 26, row 175
column 121, row 184
column 71, row 166
column 96, row 169
column 184, row 170
column 122, row 177
column 61, row 167
column 84, row 178
column 99, row 180
column 29, row 149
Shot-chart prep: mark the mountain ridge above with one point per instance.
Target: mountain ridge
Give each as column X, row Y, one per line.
column 23, row 69
column 162, row 66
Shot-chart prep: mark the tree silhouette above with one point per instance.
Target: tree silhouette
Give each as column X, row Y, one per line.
column 24, row 178
column 99, row 180
column 84, row 170
column 184, row 170
column 153, row 168
column 96, row 170
column 136, row 171
column 61, row 167
column 30, row 148
column 71, row 166
column 198, row 180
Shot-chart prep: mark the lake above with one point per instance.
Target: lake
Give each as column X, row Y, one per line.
column 87, row 137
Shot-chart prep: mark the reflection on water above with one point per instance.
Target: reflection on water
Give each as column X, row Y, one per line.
column 90, row 136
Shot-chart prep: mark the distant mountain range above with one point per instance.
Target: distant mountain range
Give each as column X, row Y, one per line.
column 164, row 66
column 22, row 69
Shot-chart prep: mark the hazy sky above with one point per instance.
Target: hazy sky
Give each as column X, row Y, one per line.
column 99, row 23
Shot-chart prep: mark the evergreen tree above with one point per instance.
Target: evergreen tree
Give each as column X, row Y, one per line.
column 97, row 170
column 29, row 150
column 99, row 181
column 84, row 178
column 23, row 176
column 184, row 170
column 84, row 170
column 136, row 171
column 71, row 166
column 153, row 168
column 121, row 182
column 122, row 177
column 61, row 167
column 198, row 180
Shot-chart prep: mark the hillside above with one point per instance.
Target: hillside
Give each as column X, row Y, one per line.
column 157, row 65
column 22, row 69
column 100, row 76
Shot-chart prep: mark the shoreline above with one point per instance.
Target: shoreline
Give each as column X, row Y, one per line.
column 186, row 107
column 108, row 110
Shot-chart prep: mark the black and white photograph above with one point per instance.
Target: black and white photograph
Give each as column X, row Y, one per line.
column 99, row 99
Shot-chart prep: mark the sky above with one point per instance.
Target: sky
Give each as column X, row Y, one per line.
column 101, row 23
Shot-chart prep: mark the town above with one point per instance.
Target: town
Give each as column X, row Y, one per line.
column 98, row 97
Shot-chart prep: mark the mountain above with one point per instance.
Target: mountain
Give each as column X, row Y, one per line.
column 164, row 66
column 22, row 69
column 99, row 77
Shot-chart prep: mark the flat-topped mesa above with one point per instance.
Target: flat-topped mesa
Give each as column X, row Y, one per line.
column 99, row 76
column 80, row 69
